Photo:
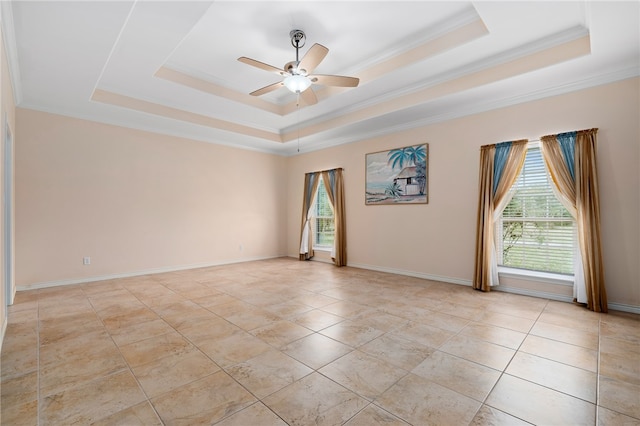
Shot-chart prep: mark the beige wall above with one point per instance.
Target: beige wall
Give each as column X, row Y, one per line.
column 7, row 110
column 136, row 201
column 437, row 240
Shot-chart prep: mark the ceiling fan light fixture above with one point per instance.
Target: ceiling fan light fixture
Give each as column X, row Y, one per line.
column 297, row 83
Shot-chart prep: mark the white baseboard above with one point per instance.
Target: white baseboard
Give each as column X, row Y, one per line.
column 414, row 274
column 57, row 283
column 544, row 295
column 624, row 308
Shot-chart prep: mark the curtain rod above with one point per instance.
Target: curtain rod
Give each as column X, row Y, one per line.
column 328, row 170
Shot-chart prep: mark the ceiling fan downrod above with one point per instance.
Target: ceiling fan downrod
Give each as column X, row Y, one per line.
column 298, row 39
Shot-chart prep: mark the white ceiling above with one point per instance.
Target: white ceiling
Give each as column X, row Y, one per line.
column 171, row 66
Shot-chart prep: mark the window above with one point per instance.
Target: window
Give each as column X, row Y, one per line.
column 535, row 231
column 324, row 224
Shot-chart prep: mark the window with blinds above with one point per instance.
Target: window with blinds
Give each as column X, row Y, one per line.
column 535, row 231
column 324, row 224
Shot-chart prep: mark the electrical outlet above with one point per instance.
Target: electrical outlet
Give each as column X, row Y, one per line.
column 240, row 247
column 86, row 260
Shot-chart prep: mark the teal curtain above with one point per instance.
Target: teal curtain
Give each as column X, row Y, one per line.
column 310, row 184
column 499, row 161
column 567, row 142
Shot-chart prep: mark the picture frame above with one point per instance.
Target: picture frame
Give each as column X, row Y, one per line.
column 397, row 176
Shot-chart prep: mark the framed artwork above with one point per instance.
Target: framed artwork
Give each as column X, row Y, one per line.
column 397, row 176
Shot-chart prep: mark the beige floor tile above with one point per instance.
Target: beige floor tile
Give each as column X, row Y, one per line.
column 479, row 351
column 137, row 331
column 363, row 374
column 345, row 308
column 142, row 414
column 575, row 322
column 539, row 405
column 71, row 327
column 91, row 342
column 493, row 334
column 619, row 396
column 523, row 325
column 461, row 311
column 252, row 319
column 490, row 416
column 427, row 335
column 446, row 321
column 406, row 310
column 317, row 319
column 64, row 308
column 23, row 313
column 352, row 333
column 529, row 308
column 316, row 350
column 561, row 377
column 621, row 326
column 233, row 307
column 268, row 372
column 287, row 309
column 397, row 351
column 281, row 333
column 179, row 321
column 256, row 414
column 115, row 322
column 214, row 300
column 381, row 320
column 202, row 402
column 607, row 417
column 620, row 359
column 25, row 413
column 19, row 356
column 315, row 400
column 571, row 310
column 19, row 390
column 586, row 339
column 145, row 351
column 573, row 355
column 230, row 350
column 374, row 416
column 165, row 374
column 208, row 328
column 176, row 329
column 91, row 401
column 113, row 308
column 315, row 300
column 418, row 401
column 78, row 368
column 462, row 376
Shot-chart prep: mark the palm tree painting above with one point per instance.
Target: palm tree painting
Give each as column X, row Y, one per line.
column 397, row 176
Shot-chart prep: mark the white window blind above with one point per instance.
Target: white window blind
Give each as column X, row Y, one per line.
column 536, row 231
column 324, row 226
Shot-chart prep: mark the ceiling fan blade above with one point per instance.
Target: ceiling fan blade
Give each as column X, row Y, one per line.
column 267, row 89
column 312, row 58
column 335, row 80
column 309, row 97
column 261, row 65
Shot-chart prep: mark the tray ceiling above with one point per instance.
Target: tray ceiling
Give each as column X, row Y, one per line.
column 171, row 66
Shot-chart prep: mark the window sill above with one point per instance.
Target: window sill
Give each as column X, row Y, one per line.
column 546, row 277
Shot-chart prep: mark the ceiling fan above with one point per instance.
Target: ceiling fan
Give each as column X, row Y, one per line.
column 297, row 74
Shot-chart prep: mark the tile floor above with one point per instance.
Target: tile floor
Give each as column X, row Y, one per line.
column 286, row 342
